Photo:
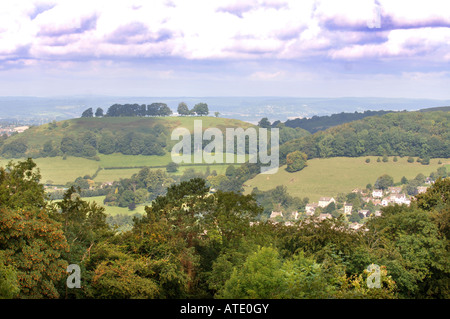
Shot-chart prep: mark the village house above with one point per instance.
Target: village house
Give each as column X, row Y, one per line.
column 325, row 201
column 421, row 189
column 364, row 213
column 377, row 193
column 276, row 214
column 376, row 202
column 325, row 216
column 399, row 199
column 395, row 190
column 348, row 209
column 310, row 209
column 294, row 215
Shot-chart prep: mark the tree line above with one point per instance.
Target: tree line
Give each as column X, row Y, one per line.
column 154, row 109
column 425, row 135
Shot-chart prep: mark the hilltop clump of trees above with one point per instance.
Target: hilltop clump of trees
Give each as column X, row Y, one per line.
column 143, row 110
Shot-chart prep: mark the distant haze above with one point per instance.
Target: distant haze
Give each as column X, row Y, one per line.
column 251, row 109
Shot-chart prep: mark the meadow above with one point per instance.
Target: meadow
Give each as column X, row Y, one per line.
column 59, row 171
column 331, row 176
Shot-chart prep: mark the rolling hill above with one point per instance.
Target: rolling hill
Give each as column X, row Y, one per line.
column 58, row 168
column 89, row 137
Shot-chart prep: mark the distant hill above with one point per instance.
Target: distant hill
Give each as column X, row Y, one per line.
column 88, row 137
column 423, row 134
column 432, row 109
column 321, row 123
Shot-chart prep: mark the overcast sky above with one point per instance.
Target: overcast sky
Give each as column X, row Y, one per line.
column 302, row 48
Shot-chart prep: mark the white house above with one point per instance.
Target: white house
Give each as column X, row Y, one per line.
column 325, row 201
column 348, row 209
column 377, row 193
column 310, row 208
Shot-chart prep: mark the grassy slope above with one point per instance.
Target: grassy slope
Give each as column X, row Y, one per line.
column 114, row 210
column 36, row 136
column 330, row 176
column 61, row 171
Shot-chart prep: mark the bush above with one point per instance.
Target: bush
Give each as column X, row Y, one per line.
column 367, row 160
column 172, row 167
column 410, row 159
column 296, row 161
column 425, row 160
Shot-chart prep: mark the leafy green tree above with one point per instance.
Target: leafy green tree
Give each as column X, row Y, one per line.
column 99, row 112
column 264, row 123
column 88, row 113
column 425, row 160
column 384, row 182
column 20, row 187
column 418, row 257
column 183, row 109
column 9, row 284
column 201, row 109
column 15, row 148
column 119, row 275
column 296, row 161
column 172, row 167
column 33, row 243
column 260, row 277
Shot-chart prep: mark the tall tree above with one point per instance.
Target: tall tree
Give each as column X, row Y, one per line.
column 99, row 112
column 183, row 109
column 201, row 109
column 88, row 113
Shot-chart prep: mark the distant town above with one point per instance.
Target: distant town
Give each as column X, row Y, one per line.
column 377, row 197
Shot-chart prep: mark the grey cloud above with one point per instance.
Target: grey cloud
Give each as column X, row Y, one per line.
column 137, row 33
column 86, row 24
column 239, row 8
column 41, row 8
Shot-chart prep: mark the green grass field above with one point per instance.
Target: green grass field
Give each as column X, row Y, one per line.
column 330, row 176
column 56, row 171
column 114, row 210
column 60, row 171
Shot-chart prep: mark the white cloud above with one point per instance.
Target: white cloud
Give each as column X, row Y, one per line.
column 225, row 29
column 261, row 75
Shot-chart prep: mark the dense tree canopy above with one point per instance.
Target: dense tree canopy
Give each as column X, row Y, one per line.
column 401, row 134
column 195, row 243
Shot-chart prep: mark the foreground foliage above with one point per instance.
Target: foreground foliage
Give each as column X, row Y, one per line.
column 196, row 244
